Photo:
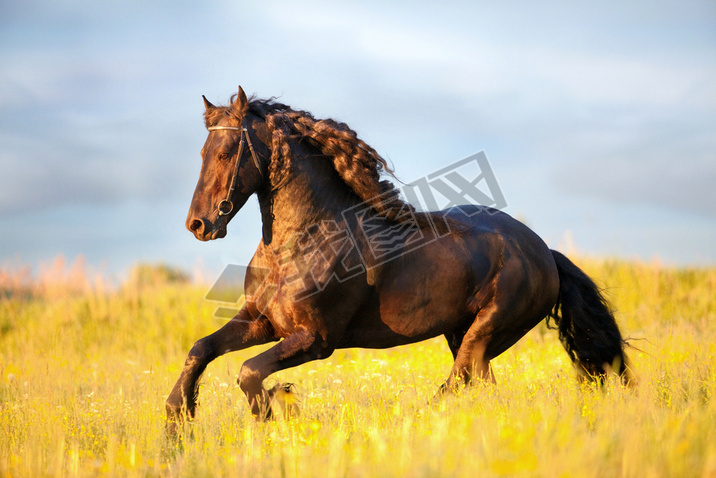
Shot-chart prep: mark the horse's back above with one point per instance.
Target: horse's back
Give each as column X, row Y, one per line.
column 441, row 285
column 510, row 246
column 477, row 226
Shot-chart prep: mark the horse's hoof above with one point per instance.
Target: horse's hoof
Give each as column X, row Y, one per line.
column 174, row 423
column 283, row 402
column 176, row 416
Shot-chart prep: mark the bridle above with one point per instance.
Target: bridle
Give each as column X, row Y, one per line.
column 226, row 206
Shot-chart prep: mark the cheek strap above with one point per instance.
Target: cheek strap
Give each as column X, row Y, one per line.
column 226, row 206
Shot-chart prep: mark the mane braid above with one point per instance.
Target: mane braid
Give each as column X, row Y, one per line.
column 357, row 163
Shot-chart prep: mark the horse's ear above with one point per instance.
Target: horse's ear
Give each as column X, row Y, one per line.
column 207, row 104
column 241, row 101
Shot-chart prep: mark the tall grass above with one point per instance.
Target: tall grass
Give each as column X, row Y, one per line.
column 84, row 372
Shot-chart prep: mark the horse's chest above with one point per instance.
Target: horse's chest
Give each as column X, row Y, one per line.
column 292, row 293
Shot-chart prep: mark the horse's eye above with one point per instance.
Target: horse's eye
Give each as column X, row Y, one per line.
column 223, row 156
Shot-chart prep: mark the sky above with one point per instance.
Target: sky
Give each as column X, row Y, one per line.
column 598, row 118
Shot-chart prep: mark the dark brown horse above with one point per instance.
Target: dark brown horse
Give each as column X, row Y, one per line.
column 344, row 262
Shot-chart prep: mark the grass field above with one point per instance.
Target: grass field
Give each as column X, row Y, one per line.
column 84, row 372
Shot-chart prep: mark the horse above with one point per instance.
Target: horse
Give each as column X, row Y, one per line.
column 315, row 284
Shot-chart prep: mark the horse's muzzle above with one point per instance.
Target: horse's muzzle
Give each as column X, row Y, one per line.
column 204, row 230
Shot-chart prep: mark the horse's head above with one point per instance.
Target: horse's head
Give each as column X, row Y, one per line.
column 230, row 171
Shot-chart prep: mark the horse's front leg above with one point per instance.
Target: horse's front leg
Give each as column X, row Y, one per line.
column 239, row 333
column 300, row 347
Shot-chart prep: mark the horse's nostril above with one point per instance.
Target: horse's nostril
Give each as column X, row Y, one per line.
column 195, row 225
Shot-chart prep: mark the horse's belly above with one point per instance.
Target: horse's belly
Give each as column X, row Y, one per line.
column 414, row 302
column 383, row 330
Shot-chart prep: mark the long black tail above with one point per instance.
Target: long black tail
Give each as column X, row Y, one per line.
column 586, row 325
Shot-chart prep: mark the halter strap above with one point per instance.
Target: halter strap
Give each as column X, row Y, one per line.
column 226, row 206
column 230, row 128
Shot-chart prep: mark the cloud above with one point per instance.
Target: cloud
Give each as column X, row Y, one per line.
column 53, row 159
column 100, row 102
column 93, row 107
column 660, row 165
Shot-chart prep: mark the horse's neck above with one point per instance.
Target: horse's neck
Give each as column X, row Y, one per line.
column 313, row 194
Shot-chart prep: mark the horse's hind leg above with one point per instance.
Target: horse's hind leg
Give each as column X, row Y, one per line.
column 471, row 361
column 454, row 340
column 496, row 327
column 468, row 349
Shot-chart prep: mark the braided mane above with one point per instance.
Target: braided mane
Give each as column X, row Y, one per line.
column 357, row 163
